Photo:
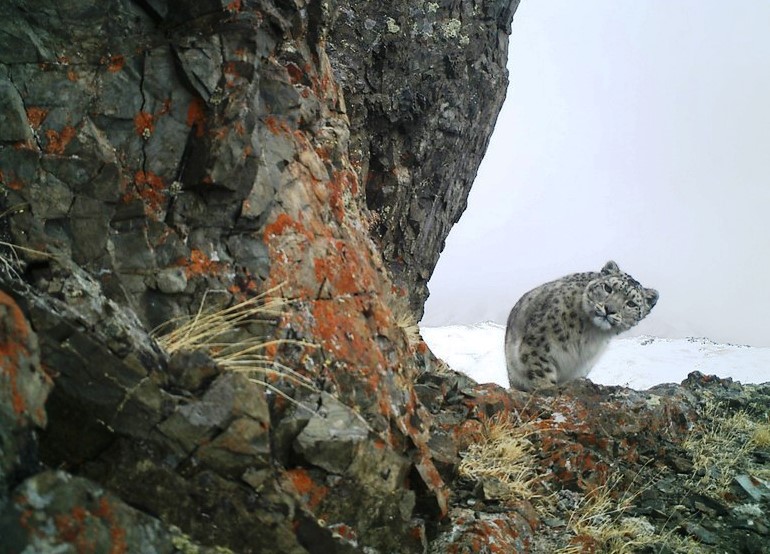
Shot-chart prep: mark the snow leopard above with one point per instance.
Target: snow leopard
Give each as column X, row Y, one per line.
column 557, row 331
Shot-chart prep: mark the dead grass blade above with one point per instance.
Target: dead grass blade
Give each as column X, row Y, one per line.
column 225, row 335
column 503, row 454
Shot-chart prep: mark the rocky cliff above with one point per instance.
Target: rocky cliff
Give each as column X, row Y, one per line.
column 217, row 220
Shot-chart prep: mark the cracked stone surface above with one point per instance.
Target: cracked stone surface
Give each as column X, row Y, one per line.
column 56, row 512
column 24, row 388
column 420, row 78
column 159, row 159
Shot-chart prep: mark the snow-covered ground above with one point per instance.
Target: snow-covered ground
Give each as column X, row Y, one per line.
column 636, row 362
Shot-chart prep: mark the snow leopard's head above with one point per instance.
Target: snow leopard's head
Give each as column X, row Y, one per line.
column 615, row 301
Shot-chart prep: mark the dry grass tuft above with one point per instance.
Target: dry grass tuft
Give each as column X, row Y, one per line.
column 404, row 319
column 600, row 523
column 760, row 437
column 441, row 367
column 227, row 334
column 504, row 455
column 721, row 448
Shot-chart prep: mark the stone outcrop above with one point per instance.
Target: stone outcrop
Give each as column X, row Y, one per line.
column 24, row 387
column 677, row 468
column 423, row 83
column 163, row 159
column 217, row 219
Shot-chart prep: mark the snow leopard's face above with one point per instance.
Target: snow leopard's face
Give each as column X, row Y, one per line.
column 615, row 301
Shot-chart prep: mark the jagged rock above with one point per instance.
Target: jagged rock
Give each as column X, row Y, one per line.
column 589, row 437
column 330, row 437
column 159, row 159
column 474, row 531
column 57, row 512
column 24, row 387
column 419, row 78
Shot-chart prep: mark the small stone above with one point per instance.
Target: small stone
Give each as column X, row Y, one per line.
column 190, row 369
column 754, row 489
column 494, row 489
column 172, row 280
column 84, row 514
column 700, row 533
column 329, row 438
column 682, row 464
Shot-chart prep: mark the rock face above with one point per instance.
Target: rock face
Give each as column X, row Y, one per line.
column 423, row 83
column 161, row 159
column 24, row 388
column 216, row 219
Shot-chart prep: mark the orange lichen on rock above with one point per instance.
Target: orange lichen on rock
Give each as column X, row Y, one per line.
column 24, row 386
column 311, row 492
column 497, row 535
column 296, row 75
column 336, row 198
column 58, row 140
column 144, row 124
column 79, row 528
column 232, row 76
column 36, row 116
column 72, row 528
column 280, row 225
column 342, row 330
column 15, row 184
column 151, row 189
column 118, row 544
column 115, row 63
column 343, row 270
column 431, row 477
column 344, row 531
column 196, row 116
column 13, row 348
column 199, row 264
column 276, row 126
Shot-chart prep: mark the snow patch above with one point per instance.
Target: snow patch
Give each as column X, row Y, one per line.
column 635, row 362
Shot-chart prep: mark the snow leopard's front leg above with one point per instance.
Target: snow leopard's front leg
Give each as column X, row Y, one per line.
column 539, row 370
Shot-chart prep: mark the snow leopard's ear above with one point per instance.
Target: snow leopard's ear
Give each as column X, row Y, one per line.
column 610, row 267
column 651, row 296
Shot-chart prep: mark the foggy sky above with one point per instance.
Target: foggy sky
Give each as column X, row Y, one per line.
column 633, row 131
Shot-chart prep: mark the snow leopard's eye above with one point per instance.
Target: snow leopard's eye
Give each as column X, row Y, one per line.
column 631, row 304
column 607, row 288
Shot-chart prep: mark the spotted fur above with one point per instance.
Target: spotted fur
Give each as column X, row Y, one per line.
column 557, row 331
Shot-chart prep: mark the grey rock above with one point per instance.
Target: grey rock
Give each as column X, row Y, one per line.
column 331, row 435
column 755, row 489
column 201, row 62
column 172, row 280
column 420, row 79
column 164, row 150
column 699, row 532
column 58, row 512
column 13, row 119
column 24, row 388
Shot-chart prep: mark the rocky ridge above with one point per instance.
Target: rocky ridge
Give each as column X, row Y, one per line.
column 293, row 167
